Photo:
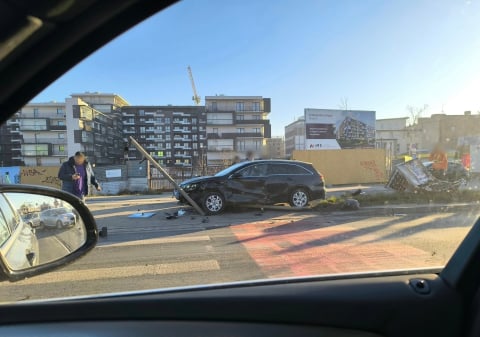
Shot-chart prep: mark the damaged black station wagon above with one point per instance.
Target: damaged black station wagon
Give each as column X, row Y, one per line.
column 265, row 182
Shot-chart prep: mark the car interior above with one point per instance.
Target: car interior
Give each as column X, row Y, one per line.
column 40, row 41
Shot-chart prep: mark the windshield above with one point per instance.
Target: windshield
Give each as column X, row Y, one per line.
column 380, row 97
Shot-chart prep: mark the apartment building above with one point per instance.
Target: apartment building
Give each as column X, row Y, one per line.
column 174, row 135
column 295, row 136
column 42, row 136
column 392, row 135
column 94, row 126
column 46, row 134
column 236, row 125
column 274, row 148
column 10, row 143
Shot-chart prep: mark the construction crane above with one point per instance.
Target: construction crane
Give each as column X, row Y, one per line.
column 195, row 97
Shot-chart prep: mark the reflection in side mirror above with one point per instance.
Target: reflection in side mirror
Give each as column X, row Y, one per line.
column 42, row 229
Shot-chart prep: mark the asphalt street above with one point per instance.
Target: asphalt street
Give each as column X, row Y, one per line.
column 242, row 244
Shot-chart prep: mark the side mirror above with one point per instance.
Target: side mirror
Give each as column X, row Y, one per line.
column 42, row 229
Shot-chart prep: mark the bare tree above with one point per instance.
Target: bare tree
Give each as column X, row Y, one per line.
column 343, row 105
column 416, row 113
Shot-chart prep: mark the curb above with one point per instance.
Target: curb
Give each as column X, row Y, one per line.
column 392, row 210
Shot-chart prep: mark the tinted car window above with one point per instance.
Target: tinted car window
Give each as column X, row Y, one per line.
column 287, row 169
column 10, row 217
column 256, row 170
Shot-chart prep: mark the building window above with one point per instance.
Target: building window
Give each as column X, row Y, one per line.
column 256, row 106
column 256, row 117
column 256, row 130
column 194, row 145
column 240, row 106
column 59, row 111
column 60, row 123
column 240, row 117
column 215, row 130
column 167, row 128
column 240, row 130
column 214, row 106
column 141, row 112
column 168, row 145
column 61, row 136
column 195, row 137
column 35, row 112
column 142, row 129
column 194, row 121
column 257, row 144
column 61, row 148
column 167, row 120
column 241, row 145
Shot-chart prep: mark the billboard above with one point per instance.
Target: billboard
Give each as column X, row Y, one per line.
column 327, row 129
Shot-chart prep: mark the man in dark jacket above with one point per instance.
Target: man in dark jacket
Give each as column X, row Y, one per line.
column 76, row 175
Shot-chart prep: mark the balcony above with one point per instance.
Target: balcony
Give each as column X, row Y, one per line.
column 58, row 127
column 251, row 121
column 38, row 140
column 128, row 123
column 228, row 121
column 13, row 122
column 220, row 149
column 233, row 135
column 182, row 130
column 129, row 131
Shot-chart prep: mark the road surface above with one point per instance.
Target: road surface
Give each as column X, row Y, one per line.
column 147, row 253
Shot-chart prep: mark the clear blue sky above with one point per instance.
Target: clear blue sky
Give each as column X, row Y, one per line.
column 381, row 55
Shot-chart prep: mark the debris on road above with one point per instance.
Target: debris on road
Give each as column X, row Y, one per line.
column 103, row 232
column 142, row 215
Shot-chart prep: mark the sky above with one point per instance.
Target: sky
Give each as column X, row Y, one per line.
column 375, row 55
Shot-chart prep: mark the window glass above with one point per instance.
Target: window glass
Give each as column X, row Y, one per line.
column 4, row 230
column 11, row 217
column 256, row 170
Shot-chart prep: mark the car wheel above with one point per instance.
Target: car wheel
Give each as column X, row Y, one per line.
column 213, row 203
column 299, row 198
column 59, row 224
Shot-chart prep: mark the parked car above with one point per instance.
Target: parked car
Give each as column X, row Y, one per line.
column 455, row 171
column 264, row 182
column 57, row 217
column 32, row 219
column 18, row 242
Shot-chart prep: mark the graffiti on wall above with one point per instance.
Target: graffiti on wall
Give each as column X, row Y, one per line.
column 40, row 175
column 373, row 167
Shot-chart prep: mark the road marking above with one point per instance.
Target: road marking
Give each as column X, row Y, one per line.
column 156, row 241
column 123, row 272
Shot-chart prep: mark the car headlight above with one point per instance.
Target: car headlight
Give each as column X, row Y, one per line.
column 190, row 187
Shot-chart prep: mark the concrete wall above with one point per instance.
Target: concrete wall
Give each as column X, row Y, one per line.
column 40, row 175
column 358, row 166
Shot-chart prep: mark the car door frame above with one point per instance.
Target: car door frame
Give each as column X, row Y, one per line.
column 246, row 189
